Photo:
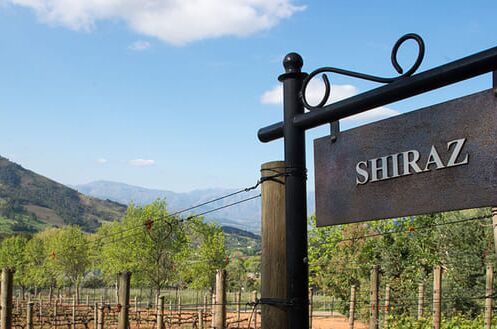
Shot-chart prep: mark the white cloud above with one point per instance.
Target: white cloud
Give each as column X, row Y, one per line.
column 174, row 21
column 101, row 161
column 315, row 92
column 141, row 162
column 140, row 45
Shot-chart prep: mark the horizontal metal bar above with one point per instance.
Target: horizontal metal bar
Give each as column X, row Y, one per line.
column 459, row 70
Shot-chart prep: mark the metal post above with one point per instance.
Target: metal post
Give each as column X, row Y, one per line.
column 6, row 298
column 488, row 296
column 295, row 195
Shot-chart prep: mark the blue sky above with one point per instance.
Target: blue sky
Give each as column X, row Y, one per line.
column 170, row 94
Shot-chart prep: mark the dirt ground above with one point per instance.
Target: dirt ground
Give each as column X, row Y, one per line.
column 336, row 322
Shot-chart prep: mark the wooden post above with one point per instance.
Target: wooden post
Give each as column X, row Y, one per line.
column 352, row 307
column 178, row 308
column 238, row 307
column 206, row 301
column 332, row 306
column 87, row 300
column 100, row 323
column 374, row 309
column 123, row 285
column 136, row 304
column 55, row 322
column 437, row 297
column 488, row 296
column 494, row 226
column 254, row 299
column 200, row 319
column 160, row 312
column 95, row 316
column 6, row 298
column 74, row 312
column 220, row 309
column 311, row 299
column 387, row 305
column 421, row 300
column 213, row 310
column 29, row 316
column 273, row 258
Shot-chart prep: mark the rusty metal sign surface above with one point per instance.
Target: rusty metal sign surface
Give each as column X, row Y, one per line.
column 440, row 158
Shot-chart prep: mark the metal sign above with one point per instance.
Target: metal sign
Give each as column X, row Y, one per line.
column 440, row 158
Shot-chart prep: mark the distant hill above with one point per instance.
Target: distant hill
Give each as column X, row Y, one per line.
column 30, row 202
column 245, row 216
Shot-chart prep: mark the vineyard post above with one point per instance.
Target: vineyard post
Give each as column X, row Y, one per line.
column 494, row 224
column 421, row 300
column 220, row 309
column 123, row 286
column 238, row 304
column 206, row 300
column 254, row 300
column 6, row 298
column 74, row 312
column 488, row 296
column 374, row 309
column 352, row 307
column 273, row 258
column 160, row 312
column 55, row 312
column 95, row 316
column 136, row 304
column 437, row 297
column 213, row 310
column 200, row 319
column 87, row 300
column 332, row 306
column 40, row 314
column 178, row 308
column 387, row 305
column 100, row 323
column 311, row 299
column 29, row 316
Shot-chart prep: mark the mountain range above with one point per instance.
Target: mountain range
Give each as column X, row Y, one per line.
column 245, row 216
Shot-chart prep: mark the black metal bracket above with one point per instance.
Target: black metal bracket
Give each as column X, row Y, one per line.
column 395, row 63
column 399, row 88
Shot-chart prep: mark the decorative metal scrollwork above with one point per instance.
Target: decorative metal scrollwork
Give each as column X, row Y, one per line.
column 395, row 63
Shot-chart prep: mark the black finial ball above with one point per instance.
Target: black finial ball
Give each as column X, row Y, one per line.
column 293, row 62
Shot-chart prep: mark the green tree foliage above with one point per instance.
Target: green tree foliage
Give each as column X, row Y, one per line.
column 206, row 254
column 406, row 249
column 13, row 256
column 148, row 242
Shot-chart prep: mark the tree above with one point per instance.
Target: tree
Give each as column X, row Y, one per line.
column 148, row 242
column 13, row 256
column 69, row 256
column 206, row 255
